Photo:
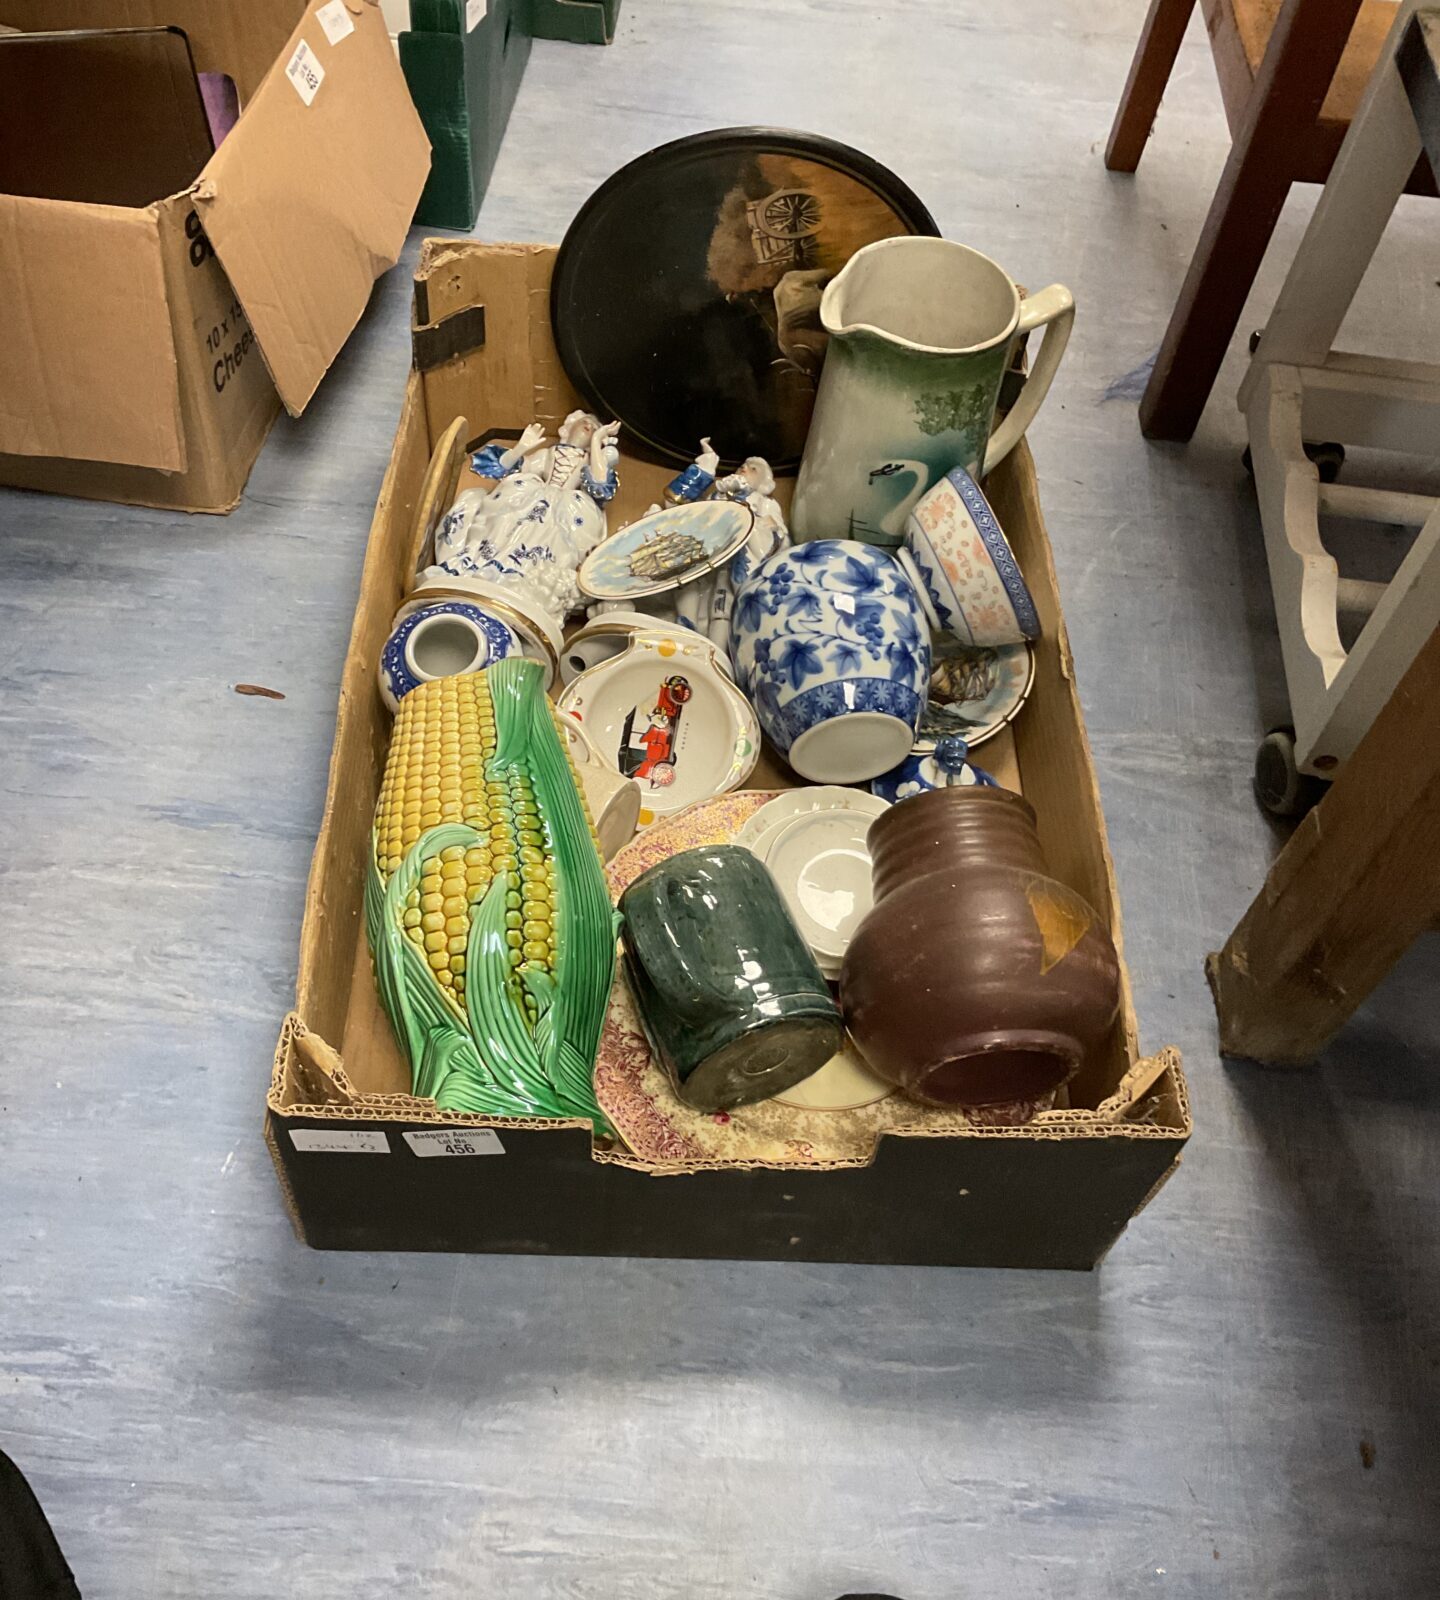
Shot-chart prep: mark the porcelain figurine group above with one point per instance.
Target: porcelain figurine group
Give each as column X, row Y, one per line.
column 906, row 901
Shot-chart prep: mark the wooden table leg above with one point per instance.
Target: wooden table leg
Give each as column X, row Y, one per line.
column 1300, row 61
column 1357, row 882
column 1150, row 71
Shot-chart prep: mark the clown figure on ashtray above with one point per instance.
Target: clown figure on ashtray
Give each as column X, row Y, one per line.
column 543, row 517
column 705, row 604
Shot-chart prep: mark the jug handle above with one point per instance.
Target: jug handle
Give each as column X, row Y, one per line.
column 652, row 906
column 1054, row 310
column 579, row 736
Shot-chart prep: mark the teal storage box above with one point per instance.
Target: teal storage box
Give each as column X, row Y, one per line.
column 576, row 21
column 463, row 80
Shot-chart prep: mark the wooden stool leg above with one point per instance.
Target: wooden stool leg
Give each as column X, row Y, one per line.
column 1300, row 62
column 1149, row 73
column 1358, row 881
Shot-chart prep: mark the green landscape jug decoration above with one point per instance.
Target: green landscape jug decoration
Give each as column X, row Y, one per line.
column 486, row 906
column 921, row 332
column 731, row 999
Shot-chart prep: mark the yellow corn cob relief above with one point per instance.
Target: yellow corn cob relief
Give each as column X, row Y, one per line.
column 454, row 761
column 444, row 738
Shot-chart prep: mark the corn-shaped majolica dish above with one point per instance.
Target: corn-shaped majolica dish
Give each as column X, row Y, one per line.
column 486, row 907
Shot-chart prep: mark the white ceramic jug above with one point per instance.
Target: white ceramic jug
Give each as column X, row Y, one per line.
column 921, row 332
column 614, row 801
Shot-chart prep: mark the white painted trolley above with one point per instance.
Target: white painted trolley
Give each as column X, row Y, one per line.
column 1300, row 389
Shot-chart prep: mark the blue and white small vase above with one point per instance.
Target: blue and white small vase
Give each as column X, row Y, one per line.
column 438, row 641
column 945, row 767
column 829, row 641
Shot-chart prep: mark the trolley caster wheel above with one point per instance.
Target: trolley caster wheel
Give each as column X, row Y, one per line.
column 1328, row 459
column 1280, row 787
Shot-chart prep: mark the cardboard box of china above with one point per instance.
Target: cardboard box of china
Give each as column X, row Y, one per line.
column 356, row 1154
column 145, row 352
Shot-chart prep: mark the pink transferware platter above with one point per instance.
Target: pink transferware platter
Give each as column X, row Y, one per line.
column 835, row 1117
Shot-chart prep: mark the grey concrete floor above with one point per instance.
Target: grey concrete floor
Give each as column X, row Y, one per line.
column 207, row 1408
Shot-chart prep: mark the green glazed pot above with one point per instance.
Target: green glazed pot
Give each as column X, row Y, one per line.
column 730, row 996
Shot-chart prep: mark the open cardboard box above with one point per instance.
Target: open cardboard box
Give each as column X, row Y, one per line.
column 146, row 350
column 354, row 1151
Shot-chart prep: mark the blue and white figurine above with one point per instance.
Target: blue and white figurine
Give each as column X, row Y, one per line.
column 706, row 604
column 830, row 642
column 543, row 517
column 945, row 767
column 438, row 640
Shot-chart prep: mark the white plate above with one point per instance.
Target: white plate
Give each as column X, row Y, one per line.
column 844, row 1083
column 813, row 797
column 820, row 861
column 664, row 714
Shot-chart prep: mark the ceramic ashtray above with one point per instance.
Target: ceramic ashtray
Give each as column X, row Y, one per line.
column 610, row 633
column 665, row 549
column 664, row 714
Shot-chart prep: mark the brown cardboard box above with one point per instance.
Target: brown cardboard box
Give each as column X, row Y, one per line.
column 340, row 1123
column 145, row 351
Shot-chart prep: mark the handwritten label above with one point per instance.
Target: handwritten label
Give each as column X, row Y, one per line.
column 474, row 11
column 305, row 72
column 455, row 1142
column 335, row 20
column 340, row 1141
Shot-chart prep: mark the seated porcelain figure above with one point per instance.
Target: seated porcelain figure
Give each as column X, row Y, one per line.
column 542, row 518
column 705, row 605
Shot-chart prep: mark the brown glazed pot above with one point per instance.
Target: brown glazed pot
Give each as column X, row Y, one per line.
column 977, row 978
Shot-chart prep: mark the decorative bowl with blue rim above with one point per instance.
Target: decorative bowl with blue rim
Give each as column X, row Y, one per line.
column 830, row 642
column 438, row 641
column 944, row 767
column 957, row 554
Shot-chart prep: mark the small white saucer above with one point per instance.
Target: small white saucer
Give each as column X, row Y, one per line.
column 844, row 1083
column 820, row 861
column 794, row 802
column 813, row 841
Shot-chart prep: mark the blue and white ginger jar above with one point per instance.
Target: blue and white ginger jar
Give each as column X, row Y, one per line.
column 830, row 642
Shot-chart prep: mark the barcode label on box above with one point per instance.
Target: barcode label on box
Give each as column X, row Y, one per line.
column 335, row 20
column 474, row 11
column 305, row 72
column 340, row 1141
column 455, row 1142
